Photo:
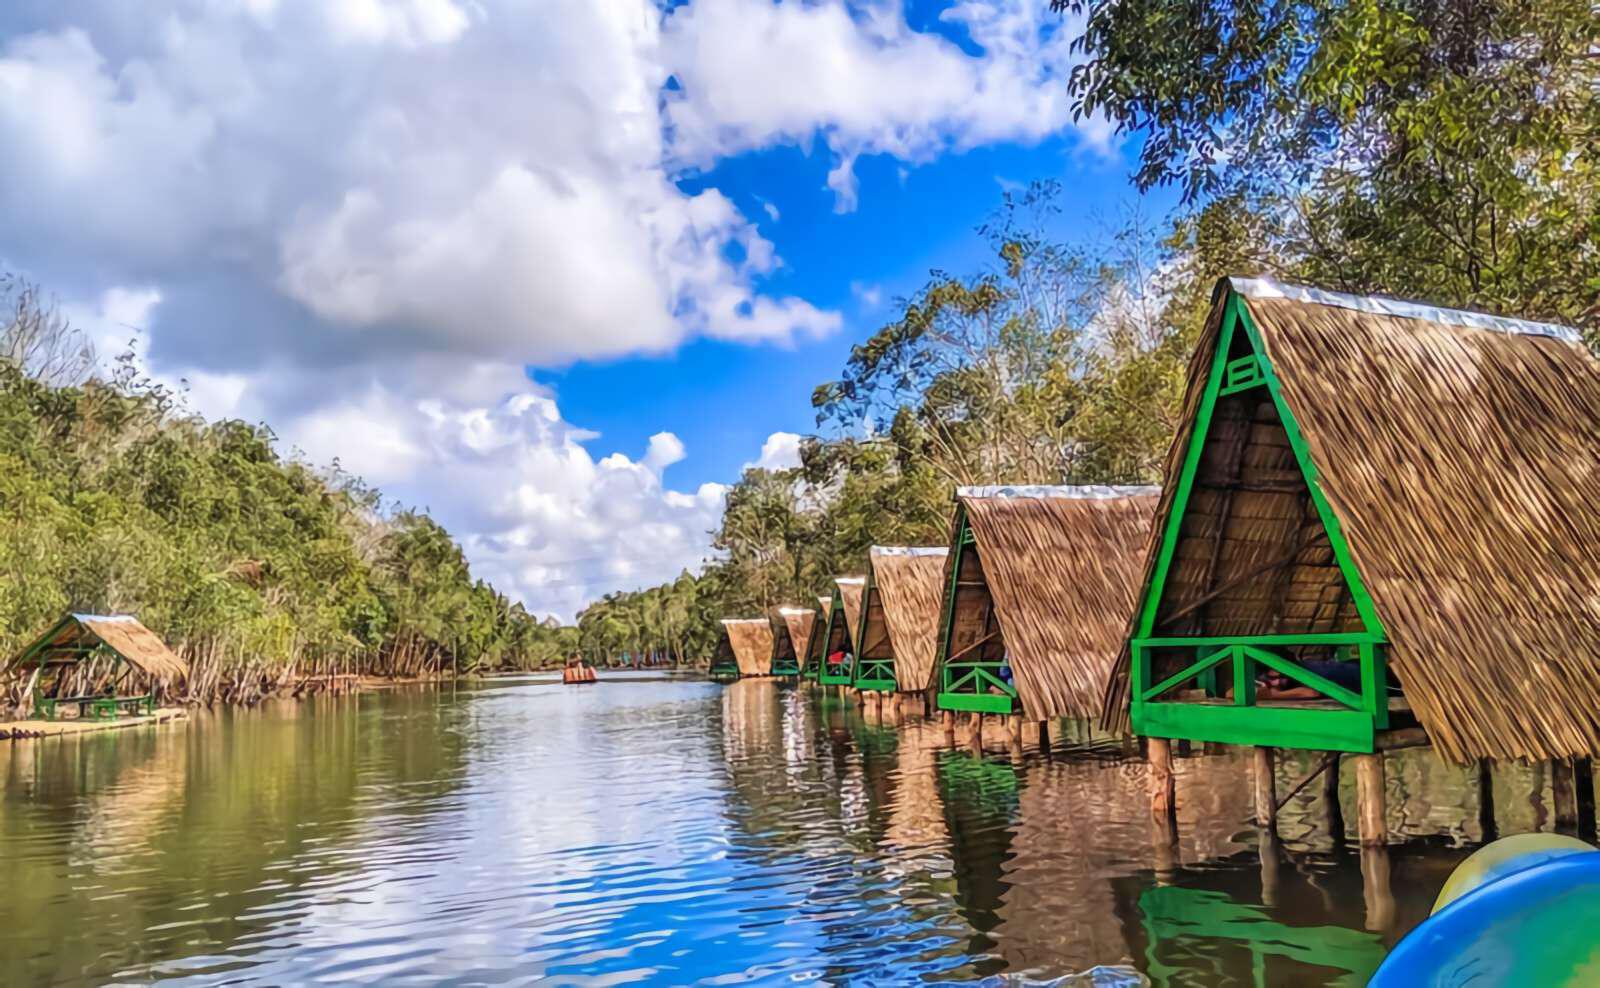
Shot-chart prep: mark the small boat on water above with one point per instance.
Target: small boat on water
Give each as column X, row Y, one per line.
column 577, row 673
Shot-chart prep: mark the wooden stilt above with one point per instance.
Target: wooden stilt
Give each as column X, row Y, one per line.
column 1044, row 736
column 1162, row 789
column 1270, row 864
column 1486, row 824
column 1376, row 890
column 1370, row 797
column 1164, row 844
column 1583, row 786
column 1263, row 768
column 1563, row 795
column 1014, row 728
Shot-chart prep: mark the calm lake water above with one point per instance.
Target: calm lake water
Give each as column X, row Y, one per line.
column 673, row 831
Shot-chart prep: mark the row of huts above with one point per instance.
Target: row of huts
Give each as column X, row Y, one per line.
column 1379, row 526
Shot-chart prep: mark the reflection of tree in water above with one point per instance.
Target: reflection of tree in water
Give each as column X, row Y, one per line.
column 980, row 805
column 241, row 811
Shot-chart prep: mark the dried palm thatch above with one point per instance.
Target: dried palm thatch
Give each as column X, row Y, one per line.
column 751, row 641
column 902, row 611
column 791, row 633
column 67, row 641
column 851, row 591
column 819, row 632
column 1050, row 579
column 1459, row 454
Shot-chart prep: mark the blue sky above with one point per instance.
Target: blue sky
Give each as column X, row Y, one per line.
column 554, row 270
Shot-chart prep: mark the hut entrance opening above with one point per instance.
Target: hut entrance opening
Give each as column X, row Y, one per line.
column 724, row 667
column 874, row 666
column 1255, row 627
column 101, row 665
column 972, row 676
column 785, row 652
column 836, row 642
column 817, row 640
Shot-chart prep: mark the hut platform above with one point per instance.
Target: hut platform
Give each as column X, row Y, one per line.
column 14, row 729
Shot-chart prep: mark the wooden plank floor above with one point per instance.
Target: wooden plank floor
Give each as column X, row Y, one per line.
column 50, row 728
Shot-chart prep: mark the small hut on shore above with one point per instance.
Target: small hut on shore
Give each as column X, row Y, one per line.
column 102, row 663
column 844, row 611
column 1363, row 489
column 1042, row 584
column 751, row 642
column 791, row 636
column 895, row 651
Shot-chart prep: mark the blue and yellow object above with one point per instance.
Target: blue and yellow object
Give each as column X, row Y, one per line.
column 1524, row 910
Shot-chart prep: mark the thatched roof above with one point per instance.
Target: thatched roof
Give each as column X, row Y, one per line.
column 851, row 591
column 794, row 628
column 137, row 645
column 908, row 583
column 1460, row 456
column 751, row 640
column 1060, row 566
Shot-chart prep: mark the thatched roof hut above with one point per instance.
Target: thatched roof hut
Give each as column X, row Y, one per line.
column 751, row 642
column 77, row 636
column 818, row 638
column 791, row 636
column 1046, row 575
column 843, row 610
column 1409, row 488
column 900, row 618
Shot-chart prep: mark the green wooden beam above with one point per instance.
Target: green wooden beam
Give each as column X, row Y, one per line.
column 1271, row 726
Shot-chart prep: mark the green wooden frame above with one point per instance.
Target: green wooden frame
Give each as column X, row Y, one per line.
column 1352, row 719
column 107, row 707
column 964, row 685
column 789, row 668
column 835, row 613
column 874, row 674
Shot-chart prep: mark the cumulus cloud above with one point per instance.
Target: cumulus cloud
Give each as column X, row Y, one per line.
column 857, row 76
column 781, row 451
column 360, row 220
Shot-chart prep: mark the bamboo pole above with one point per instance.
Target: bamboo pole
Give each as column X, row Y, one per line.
column 1333, row 809
column 1486, row 822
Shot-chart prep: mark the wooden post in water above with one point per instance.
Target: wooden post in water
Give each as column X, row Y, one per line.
column 1486, row 823
column 1044, row 737
column 1014, row 728
column 1376, row 889
column 1267, row 850
column 1162, row 789
column 948, row 719
column 1370, row 799
column 1563, row 794
column 1266, row 787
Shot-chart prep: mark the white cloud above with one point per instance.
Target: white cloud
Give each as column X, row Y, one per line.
column 781, row 451
column 756, row 73
column 360, row 220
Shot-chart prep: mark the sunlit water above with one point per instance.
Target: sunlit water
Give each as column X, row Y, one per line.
column 673, row 831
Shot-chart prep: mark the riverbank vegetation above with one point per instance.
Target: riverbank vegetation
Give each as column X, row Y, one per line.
column 1440, row 151
column 258, row 569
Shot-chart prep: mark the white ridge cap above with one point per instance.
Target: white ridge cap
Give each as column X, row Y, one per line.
column 909, row 550
column 849, row 580
column 745, row 621
column 1085, row 492
column 797, row 610
column 1385, row 306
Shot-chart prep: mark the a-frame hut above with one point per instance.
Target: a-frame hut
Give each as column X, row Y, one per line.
column 724, row 664
column 900, row 618
column 1041, row 584
column 791, row 636
column 751, row 642
column 818, row 638
column 843, row 613
column 1365, row 494
column 102, row 663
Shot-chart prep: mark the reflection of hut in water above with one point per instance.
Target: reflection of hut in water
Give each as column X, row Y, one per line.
column 791, row 636
column 752, row 720
column 1360, row 485
column 750, row 640
column 899, row 619
column 843, row 615
column 818, row 638
column 916, row 819
column 1041, row 590
column 102, row 664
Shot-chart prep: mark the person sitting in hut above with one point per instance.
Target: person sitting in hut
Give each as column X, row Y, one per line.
column 1274, row 685
column 839, row 658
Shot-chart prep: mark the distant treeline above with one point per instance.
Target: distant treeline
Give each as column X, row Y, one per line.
column 1428, row 150
column 256, row 568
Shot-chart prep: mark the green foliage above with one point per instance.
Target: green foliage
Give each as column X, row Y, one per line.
column 112, row 500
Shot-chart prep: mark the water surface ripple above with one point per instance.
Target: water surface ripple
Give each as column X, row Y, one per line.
column 660, row 829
